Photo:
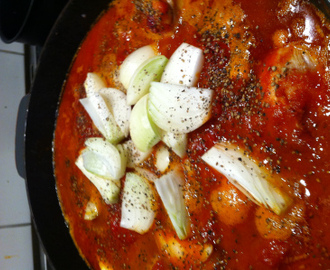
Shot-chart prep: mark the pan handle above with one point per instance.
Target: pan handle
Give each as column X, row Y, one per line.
column 20, row 135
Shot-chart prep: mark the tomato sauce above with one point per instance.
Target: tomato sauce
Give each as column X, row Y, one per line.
column 267, row 62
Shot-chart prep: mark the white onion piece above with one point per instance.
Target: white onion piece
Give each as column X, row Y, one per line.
column 150, row 70
column 138, row 205
column 93, row 83
column 144, row 133
column 184, row 66
column 107, row 160
column 102, row 117
column 150, row 176
column 91, row 211
column 132, row 62
column 247, row 176
column 116, row 102
column 96, row 164
column 302, row 59
column 179, row 109
column 176, row 142
column 175, row 249
column 123, row 158
column 109, row 188
column 134, row 155
column 162, row 158
column 169, row 188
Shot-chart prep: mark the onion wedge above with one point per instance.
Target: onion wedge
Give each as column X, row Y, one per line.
column 144, row 133
column 162, row 158
column 145, row 173
column 138, row 205
column 176, row 142
column 116, row 102
column 179, row 109
column 132, row 62
column 169, row 188
column 150, row 70
column 109, row 188
column 102, row 117
column 184, row 66
column 103, row 159
column 191, row 250
column 134, row 155
column 247, row 176
column 93, row 83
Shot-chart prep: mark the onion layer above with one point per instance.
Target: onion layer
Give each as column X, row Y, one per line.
column 179, row 109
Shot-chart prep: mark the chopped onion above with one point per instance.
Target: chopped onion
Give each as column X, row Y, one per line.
column 144, row 133
column 132, row 62
column 247, row 176
column 134, row 155
column 179, row 109
column 176, row 250
column 108, row 188
column 169, row 188
column 162, row 158
column 138, row 205
column 150, row 176
column 104, row 159
column 123, row 157
column 116, row 102
column 302, row 59
column 102, row 117
column 150, row 70
column 96, row 164
column 176, row 142
column 91, row 211
column 184, row 66
column 93, row 83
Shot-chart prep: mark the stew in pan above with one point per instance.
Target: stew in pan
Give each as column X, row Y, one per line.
column 195, row 135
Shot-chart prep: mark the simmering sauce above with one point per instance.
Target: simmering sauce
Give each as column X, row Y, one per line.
column 268, row 63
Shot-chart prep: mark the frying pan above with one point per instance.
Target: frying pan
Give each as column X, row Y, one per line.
column 34, row 150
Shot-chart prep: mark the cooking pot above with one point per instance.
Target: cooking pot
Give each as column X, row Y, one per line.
column 37, row 118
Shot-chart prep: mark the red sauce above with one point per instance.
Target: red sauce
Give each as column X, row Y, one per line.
column 269, row 103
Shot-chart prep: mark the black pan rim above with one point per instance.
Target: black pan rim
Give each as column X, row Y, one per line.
column 55, row 60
